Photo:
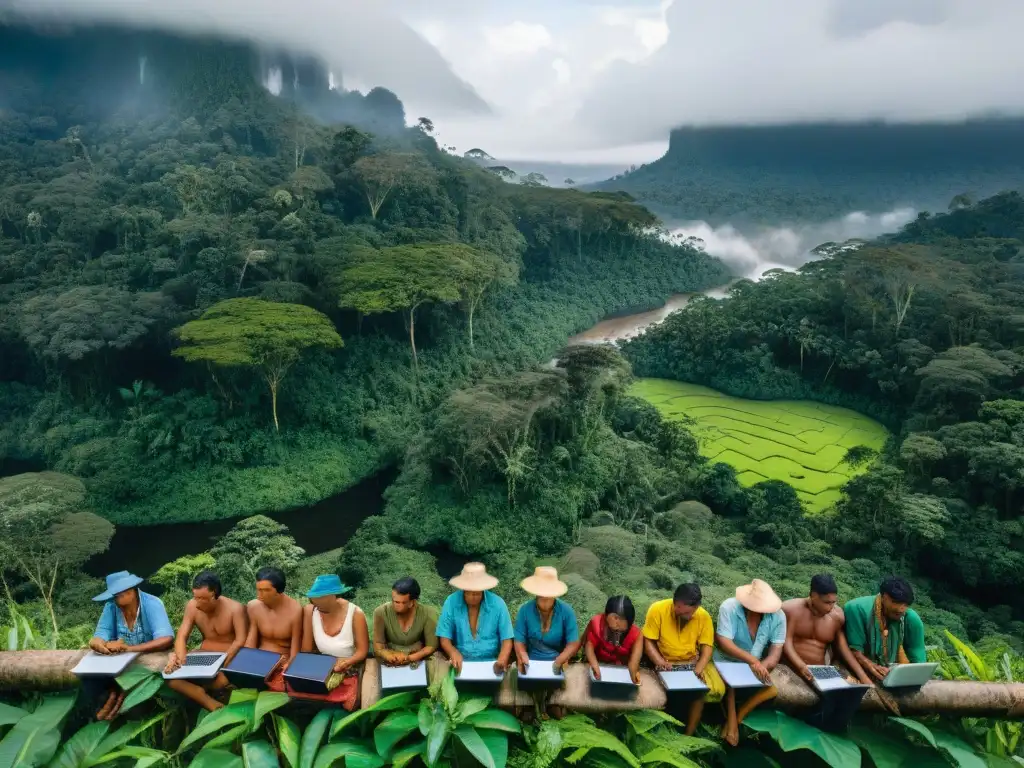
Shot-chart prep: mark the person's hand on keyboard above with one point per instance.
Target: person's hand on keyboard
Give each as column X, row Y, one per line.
column 806, row 674
column 173, row 663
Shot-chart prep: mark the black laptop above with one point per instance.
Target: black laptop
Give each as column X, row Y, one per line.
column 309, row 672
column 251, row 667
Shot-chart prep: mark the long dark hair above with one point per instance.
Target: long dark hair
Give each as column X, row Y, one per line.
column 622, row 606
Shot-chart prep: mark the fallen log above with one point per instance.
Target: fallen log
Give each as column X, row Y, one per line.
column 51, row 670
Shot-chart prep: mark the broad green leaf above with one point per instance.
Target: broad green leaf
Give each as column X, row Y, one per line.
column 228, row 737
column 471, row 740
column 449, row 694
column 335, row 751
column 243, row 695
column 145, row 755
column 77, row 749
column 979, row 669
column 40, row 747
column 791, row 734
column 959, row 751
column 233, row 714
column 664, row 755
column 497, row 745
column 387, row 704
column 425, row 716
column 134, row 675
column 495, row 719
column 644, row 720
column 144, row 691
column 393, row 729
column 267, row 701
column 470, row 706
column 359, row 760
column 259, row 754
column 437, row 739
column 289, row 738
column 53, row 709
column 216, row 758
column 10, row 715
column 920, row 728
column 123, row 735
column 313, row 737
column 885, row 749
column 146, row 762
column 406, row 754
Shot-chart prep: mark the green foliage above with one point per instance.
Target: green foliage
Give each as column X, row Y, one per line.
column 251, row 544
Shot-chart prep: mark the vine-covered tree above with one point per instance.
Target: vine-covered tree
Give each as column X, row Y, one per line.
column 253, row 333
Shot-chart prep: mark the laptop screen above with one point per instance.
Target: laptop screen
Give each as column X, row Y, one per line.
column 478, row 671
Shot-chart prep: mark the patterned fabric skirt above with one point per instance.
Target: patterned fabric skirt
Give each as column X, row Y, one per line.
column 345, row 695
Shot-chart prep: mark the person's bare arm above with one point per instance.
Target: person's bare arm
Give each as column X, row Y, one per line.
column 238, row 626
column 422, row 653
column 651, row 647
column 877, row 671
column 771, row 661
column 756, row 666
column 252, row 637
column 177, row 657
column 296, row 637
column 452, row 653
column 307, row 629
column 362, row 641
column 634, row 661
column 568, row 653
column 158, row 644
column 504, row 656
column 99, row 645
column 522, row 656
column 842, row 648
column 789, row 649
column 703, row 659
column 380, row 640
column 591, row 654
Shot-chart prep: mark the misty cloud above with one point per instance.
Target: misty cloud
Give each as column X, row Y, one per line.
column 358, row 39
column 773, row 61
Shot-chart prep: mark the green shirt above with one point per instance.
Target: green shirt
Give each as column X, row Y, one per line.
column 421, row 633
column 864, row 635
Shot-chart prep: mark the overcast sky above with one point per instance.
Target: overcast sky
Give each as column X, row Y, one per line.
column 605, row 80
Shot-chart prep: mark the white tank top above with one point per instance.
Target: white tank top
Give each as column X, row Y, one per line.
column 341, row 645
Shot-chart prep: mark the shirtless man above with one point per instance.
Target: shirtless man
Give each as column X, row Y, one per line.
column 275, row 619
column 222, row 623
column 813, row 625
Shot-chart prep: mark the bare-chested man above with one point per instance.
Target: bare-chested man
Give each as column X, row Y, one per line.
column 222, row 623
column 275, row 619
column 814, row 625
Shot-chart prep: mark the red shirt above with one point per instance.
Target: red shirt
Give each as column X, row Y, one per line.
column 606, row 651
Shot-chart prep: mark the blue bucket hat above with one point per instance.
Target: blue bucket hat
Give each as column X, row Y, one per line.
column 117, row 583
column 327, row 584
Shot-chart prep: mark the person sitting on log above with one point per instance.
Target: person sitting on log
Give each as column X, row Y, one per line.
column 222, row 623
column 814, row 631
column 132, row 621
column 334, row 626
column 751, row 629
column 883, row 629
column 275, row 622
column 545, row 628
column 613, row 639
column 678, row 631
column 404, row 632
column 475, row 624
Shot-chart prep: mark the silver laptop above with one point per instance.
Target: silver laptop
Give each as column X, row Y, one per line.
column 199, row 665
column 909, row 675
column 541, row 670
column 682, row 678
column 97, row 665
column 478, row 672
column 828, row 678
column 612, row 676
column 737, row 674
column 403, row 677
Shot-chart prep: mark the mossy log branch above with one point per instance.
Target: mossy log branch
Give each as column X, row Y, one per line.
column 51, row 670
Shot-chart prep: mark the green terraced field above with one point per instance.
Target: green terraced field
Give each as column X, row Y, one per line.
column 797, row 441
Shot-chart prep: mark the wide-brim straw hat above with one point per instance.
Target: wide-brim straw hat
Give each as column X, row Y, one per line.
column 758, row 597
column 544, row 583
column 474, row 578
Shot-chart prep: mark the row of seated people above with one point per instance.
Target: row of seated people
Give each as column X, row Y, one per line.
column 867, row 635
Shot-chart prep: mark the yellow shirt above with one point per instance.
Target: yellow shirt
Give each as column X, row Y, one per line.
column 677, row 644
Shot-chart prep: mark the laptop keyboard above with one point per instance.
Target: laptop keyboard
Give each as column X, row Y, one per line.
column 825, row 673
column 683, row 667
column 201, row 659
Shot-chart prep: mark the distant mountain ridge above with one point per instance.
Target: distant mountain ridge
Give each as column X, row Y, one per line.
column 816, row 172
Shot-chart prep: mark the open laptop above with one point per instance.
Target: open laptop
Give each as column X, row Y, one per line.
column 737, row 674
column 99, row 665
column 479, row 672
column 682, row 678
column 827, row 678
column 840, row 699
column 309, row 672
column 909, row 675
column 251, row 667
column 403, row 678
column 540, row 675
column 199, row 665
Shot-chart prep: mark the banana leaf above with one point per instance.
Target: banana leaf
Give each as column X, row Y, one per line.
column 791, row 734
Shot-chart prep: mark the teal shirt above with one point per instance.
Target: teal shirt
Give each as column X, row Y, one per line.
column 151, row 624
column 493, row 626
column 547, row 645
column 732, row 623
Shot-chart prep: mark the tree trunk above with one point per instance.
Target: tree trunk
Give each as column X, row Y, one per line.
column 412, row 340
column 472, row 308
column 273, row 402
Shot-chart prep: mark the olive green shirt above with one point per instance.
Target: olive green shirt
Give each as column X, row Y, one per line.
column 421, row 633
column 864, row 636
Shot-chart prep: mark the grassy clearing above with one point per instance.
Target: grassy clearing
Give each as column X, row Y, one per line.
column 800, row 442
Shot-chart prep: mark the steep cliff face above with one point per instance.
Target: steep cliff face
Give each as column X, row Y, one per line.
column 101, row 70
column 814, row 172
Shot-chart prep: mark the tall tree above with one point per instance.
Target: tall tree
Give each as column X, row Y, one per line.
column 253, row 333
column 383, row 173
column 481, row 270
column 402, row 279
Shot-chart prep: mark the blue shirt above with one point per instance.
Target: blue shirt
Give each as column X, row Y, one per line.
column 151, row 623
column 546, row 646
column 732, row 623
column 493, row 626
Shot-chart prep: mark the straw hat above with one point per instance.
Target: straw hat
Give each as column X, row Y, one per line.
column 544, row 583
column 758, row 597
column 474, row 578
